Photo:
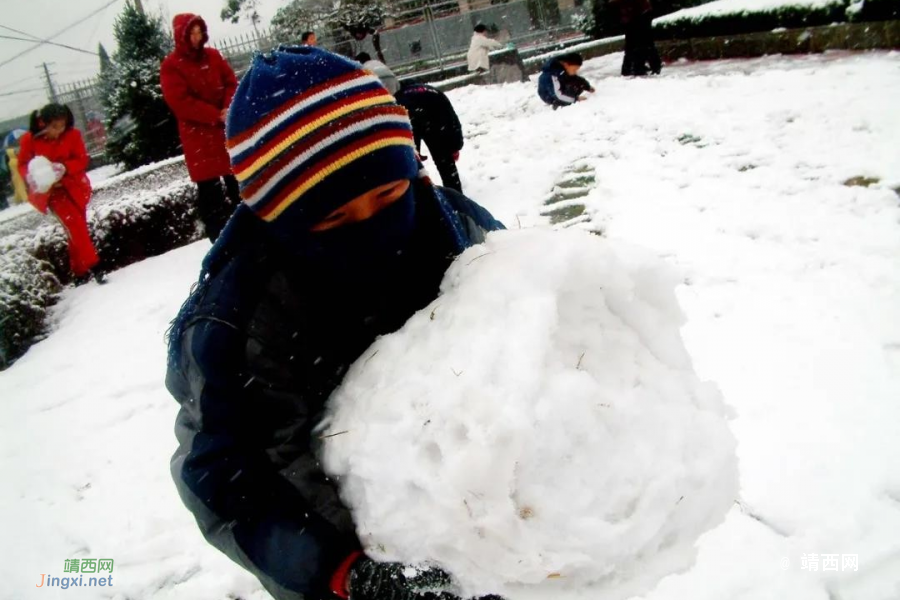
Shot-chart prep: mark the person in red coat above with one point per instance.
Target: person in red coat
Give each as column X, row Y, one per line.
column 198, row 86
column 63, row 188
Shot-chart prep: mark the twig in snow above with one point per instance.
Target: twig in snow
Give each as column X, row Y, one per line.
column 331, row 435
column 750, row 513
column 371, row 357
column 477, row 257
column 578, row 366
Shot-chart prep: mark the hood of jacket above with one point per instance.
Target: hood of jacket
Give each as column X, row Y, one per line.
column 552, row 66
column 181, row 28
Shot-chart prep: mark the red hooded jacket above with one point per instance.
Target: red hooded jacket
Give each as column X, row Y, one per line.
column 197, row 85
column 68, row 149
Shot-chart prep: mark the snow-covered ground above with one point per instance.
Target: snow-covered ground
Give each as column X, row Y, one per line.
column 736, row 7
column 103, row 173
column 771, row 184
column 15, row 211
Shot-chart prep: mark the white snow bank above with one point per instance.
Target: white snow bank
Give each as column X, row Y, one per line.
column 134, row 173
column 734, row 7
column 15, row 211
column 103, row 173
column 539, row 423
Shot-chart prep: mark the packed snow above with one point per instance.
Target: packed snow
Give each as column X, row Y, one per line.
column 580, row 450
column 103, row 173
column 15, row 211
column 42, row 173
column 771, row 185
column 737, row 7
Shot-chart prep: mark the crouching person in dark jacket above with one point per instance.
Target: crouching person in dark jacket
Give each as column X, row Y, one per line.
column 435, row 122
column 559, row 83
column 337, row 242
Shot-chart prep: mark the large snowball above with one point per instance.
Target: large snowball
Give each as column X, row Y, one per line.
column 539, row 423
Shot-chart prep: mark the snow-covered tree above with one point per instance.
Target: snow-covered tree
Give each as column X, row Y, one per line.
column 363, row 14
column 105, row 61
column 141, row 127
column 235, row 10
column 298, row 16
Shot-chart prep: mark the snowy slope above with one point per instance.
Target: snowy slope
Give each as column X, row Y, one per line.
column 740, row 173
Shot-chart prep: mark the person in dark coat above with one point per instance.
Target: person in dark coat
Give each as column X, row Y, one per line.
column 339, row 240
column 641, row 55
column 559, row 83
column 198, row 85
column 435, row 122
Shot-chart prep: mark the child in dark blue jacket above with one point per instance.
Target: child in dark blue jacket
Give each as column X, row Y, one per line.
column 338, row 241
column 559, row 83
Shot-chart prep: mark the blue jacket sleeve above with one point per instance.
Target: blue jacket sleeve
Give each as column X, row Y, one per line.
column 473, row 213
column 242, row 503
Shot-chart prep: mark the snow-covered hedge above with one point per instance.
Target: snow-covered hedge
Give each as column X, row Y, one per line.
column 136, row 215
column 28, row 288
column 733, row 17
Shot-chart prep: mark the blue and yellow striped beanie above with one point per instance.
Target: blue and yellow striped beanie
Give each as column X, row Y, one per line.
column 308, row 131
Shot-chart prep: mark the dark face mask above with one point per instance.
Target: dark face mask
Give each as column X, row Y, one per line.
column 364, row 249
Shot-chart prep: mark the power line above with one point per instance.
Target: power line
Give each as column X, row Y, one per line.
column 17, row 92
column 18, row 39
column 58, row 33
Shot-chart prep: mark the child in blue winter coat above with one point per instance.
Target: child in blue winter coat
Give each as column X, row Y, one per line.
column 339, row 240
column 560, row 84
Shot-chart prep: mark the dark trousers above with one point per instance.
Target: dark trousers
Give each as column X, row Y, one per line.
column 446, row 167
column 215, row 205
column 640, row 51
column 443, row 161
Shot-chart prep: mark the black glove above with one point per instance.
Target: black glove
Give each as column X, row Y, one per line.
column 370, row 580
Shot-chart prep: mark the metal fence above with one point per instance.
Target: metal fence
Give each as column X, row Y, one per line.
column 426, row 34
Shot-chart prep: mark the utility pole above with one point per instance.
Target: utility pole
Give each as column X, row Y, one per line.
column 51, row 91
column 139, row 6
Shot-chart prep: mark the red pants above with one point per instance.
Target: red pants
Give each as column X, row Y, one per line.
column 82, row 254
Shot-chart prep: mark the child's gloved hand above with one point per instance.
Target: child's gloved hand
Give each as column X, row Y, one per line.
column 370, row 580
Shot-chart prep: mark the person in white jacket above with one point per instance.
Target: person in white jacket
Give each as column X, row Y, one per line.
column 479, row 48
column 381, row 70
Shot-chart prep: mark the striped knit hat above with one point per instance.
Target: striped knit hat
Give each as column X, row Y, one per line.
column 308, row 131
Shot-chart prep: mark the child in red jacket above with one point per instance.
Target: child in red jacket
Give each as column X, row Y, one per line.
column 53, row 160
